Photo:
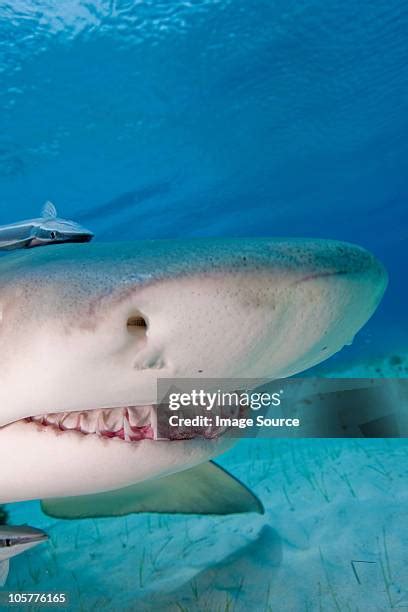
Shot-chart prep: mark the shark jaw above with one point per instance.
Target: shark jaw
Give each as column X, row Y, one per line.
column 97, row 325
column 130, row 424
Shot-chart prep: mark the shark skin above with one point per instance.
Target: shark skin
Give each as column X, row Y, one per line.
column 91, row 327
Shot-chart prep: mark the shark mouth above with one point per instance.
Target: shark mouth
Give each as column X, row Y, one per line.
column 129, row 424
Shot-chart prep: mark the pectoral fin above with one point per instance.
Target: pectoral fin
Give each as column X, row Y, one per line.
column 4, row 570
column 204, row 489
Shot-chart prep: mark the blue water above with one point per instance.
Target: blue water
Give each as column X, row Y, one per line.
column 214, row 117
column 161, row 119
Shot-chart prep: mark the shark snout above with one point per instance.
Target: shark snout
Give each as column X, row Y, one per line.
column 16, row 539
column 323, row 258
column 362, row 276
column 329, row 298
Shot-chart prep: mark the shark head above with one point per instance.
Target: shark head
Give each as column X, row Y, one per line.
column 87, row 330
column 13, row 541
column 17, row 539
column 53, row 230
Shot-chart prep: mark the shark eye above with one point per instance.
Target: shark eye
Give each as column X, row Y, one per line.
column 53, row 235
column 8, row 542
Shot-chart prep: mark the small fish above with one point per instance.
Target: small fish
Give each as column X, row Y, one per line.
column 15, row 540
column 47, row 229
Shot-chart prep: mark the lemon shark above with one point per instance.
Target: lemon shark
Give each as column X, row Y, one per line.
column 87, row 329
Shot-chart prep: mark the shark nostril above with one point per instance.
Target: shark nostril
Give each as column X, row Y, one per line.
column 137, row 325
column 136, row 321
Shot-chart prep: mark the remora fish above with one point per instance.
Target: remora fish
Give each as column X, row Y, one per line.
column 86, row 331
column 47, row 229
column 15, row 540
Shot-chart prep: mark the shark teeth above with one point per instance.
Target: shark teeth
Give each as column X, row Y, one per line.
column 130, row 424
column 127, row 430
